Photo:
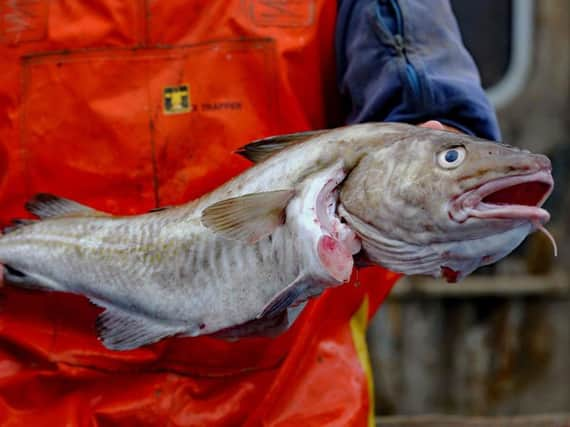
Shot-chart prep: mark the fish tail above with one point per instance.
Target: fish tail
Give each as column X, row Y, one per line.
column 2, row 262
column 23, row 280
column 7, row 272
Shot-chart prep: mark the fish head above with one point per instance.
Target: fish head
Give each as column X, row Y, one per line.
column 443, row 204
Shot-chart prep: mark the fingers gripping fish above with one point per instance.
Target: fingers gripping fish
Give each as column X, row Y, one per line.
column 234, row 262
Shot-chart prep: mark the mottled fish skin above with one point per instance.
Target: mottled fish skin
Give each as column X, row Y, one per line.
column 166, row 273
column 417, row 217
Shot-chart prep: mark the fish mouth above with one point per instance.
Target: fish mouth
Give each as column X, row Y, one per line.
column 516, row 197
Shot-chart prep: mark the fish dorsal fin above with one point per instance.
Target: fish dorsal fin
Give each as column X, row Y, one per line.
column 46, row 205
column 262, row 149
column 119, row 330
column 250, row 217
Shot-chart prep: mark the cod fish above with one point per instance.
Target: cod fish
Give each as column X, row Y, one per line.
column 237, row 260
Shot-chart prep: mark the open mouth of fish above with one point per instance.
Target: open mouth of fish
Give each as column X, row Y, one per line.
column 518, row 197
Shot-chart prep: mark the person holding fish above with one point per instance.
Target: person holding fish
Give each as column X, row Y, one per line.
column 211, row 278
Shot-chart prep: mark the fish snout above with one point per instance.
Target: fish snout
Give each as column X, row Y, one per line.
column 513, row 160
column 524, row 163
column 542, row 162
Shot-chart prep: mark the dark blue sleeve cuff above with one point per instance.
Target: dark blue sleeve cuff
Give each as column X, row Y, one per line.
column 404, row 61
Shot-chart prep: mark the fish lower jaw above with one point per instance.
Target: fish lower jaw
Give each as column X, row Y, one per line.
column 516, row 197
column 513, row 212
column 487, row 211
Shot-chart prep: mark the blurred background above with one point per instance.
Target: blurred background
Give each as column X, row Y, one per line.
column 498, row 343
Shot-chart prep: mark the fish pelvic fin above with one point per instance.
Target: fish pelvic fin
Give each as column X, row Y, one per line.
column 248, row 218
column 46, row 205
column 119, row 330
column 283, row 299
column 261, row 149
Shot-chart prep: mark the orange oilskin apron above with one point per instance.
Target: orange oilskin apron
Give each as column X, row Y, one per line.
column 130, row 105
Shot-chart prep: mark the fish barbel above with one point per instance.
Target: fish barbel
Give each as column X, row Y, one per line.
column 233, row 262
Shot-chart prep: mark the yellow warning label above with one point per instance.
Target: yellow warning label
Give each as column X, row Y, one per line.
column 176, row 99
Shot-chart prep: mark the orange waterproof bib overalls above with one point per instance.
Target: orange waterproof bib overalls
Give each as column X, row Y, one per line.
column 128, row 105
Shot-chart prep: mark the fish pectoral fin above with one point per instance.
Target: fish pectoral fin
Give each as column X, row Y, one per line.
column 262, row 149
column 283, row 299
column 118, row 330
column 46, row 205
column 248, row 218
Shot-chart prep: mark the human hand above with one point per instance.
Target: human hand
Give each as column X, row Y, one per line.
column 434, row 124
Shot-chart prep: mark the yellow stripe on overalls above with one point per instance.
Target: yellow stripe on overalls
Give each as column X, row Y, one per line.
column 358, row 323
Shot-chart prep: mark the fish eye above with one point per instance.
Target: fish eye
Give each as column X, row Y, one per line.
column 451, row 158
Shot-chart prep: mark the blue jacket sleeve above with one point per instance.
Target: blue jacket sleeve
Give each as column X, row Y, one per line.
column 404, row 61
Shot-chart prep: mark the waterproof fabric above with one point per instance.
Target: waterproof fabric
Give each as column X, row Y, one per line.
column 130, row 105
